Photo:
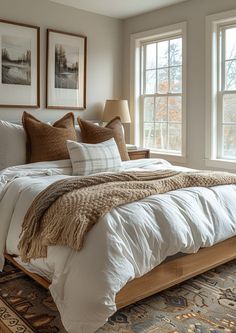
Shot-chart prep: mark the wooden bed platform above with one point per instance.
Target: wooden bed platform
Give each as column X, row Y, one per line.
column 166, row 274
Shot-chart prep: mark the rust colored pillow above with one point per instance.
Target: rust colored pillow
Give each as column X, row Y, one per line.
column 91, row 133
column 48, row 142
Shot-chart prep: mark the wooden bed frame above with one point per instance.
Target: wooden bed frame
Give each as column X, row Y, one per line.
column 166, row 274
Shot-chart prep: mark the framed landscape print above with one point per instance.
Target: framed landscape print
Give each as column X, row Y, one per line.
column 19, row 65
column 66, row 70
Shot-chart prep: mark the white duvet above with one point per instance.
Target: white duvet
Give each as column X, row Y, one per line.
column 125, row 244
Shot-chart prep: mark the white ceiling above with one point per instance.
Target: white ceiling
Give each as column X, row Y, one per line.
column 119, row 9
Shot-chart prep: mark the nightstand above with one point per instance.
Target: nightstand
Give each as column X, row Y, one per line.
column 139, row 153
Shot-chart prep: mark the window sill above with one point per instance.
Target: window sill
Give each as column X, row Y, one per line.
column 223, row 164
column 177, row 159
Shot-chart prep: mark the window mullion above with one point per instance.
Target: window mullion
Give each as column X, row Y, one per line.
column 167, row 125
column 222, row 61
column 168, row 68
column 141, row 129
column 221, row 88
column 157, row 67
column 163, row 95
column 142, row 96
column 144, row 70
column 220, row 125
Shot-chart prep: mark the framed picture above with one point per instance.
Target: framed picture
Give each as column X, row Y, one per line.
column 19, row 64
column 66, row 70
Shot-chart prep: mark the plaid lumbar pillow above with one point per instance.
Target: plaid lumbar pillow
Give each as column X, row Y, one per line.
column 88, row 158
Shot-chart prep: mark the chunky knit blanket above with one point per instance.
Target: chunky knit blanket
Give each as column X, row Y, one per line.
column 64, row 212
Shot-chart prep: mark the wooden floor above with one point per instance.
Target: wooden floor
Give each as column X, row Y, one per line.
column 3, row 328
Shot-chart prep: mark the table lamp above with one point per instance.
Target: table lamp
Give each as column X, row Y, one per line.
column 114, row 108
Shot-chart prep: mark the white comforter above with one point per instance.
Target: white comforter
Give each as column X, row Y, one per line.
column 125, row 244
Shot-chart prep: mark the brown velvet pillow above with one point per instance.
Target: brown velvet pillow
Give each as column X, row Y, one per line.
column 91, row 133
column 46, row 142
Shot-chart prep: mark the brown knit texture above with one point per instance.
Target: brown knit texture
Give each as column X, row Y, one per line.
column 64, row 212
column 92, row 133
column 46, row 142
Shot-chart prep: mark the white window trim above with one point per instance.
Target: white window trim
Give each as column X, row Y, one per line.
column 212, row 66
column 135, row 76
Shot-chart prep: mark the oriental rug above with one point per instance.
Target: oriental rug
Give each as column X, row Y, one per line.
column 204, row 304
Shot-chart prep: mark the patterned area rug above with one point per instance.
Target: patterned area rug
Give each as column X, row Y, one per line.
column 205, row 304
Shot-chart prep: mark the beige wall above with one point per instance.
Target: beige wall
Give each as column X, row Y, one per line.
column 104, row 54
column 194, row 13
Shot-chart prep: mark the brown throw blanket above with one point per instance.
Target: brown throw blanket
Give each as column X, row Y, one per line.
column 65, row 211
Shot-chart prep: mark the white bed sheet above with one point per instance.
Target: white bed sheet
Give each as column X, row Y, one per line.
column 125, row 244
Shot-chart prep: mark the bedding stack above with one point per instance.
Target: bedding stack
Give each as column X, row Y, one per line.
column 48, row 222
column 89, row 220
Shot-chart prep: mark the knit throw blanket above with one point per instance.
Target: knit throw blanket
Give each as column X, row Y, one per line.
column 65, row 211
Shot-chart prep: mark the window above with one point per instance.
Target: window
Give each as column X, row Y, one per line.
column 162, row 95
column 221, row 90
column 227, row 93
column 159, row 90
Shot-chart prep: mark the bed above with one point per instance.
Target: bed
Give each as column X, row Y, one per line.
column 133, row 251
column 124, row 257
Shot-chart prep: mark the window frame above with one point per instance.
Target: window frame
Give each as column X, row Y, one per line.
column 215, row 89
column 221, row 87
column 137, row 40
column 155, row 95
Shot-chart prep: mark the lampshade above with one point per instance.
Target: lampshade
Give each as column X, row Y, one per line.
column 116, row 107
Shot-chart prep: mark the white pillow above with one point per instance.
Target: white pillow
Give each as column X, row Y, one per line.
column 89, row 158
column 78, row 133
column 12, row 144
